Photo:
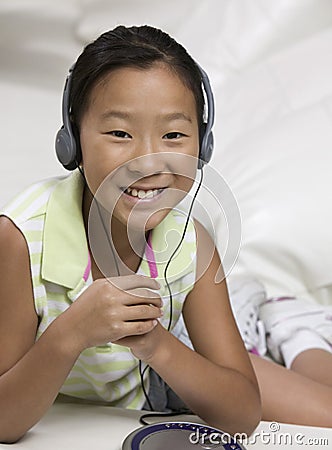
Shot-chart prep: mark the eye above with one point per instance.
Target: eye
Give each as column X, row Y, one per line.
column 119, row 134
column 173, row 135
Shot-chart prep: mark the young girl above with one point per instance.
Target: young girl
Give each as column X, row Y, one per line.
column 99, row 267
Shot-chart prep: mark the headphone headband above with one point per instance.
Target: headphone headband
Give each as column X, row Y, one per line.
column 207, row 140
column 68, row 148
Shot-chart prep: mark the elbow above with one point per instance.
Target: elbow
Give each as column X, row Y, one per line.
column 255, row 412
column 252, row 421
column 248, row 410
column 244, row 418
column 249, row 419
column 240, row 427
column 10, row 438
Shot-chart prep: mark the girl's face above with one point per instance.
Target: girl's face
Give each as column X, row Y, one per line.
column 140, row 143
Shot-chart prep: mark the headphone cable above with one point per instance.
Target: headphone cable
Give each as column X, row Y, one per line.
column 170, row 305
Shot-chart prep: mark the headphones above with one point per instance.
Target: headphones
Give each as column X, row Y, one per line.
column 67, row 145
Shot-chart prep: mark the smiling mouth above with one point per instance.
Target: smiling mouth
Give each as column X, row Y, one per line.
column 143, row 194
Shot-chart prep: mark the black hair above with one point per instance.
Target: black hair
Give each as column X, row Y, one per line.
column 136, row 46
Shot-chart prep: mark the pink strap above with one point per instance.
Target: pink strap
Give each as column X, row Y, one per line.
column 151, row 259
column 87, row 269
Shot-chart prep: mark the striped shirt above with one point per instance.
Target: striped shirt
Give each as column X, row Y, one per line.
column 49, row 215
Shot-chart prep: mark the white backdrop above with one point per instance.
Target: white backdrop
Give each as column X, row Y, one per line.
column 271, row 69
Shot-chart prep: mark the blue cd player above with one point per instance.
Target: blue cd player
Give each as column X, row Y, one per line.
column 179, row 436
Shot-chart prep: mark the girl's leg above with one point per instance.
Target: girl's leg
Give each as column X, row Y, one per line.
column 291, row 397
column 315, row 364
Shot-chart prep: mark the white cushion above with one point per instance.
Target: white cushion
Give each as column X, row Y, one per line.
column 277, row 159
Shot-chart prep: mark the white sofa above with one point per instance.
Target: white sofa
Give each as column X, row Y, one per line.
column 271, row 69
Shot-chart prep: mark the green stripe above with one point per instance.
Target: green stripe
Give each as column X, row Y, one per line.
column 26, row 203
column 35, row 259
column 33, row 235
column 73, row 380
column 101, row 368
column 83, row 393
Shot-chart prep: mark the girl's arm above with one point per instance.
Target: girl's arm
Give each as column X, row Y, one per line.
column 217, row 381
column 231, row 389
column 32, row 373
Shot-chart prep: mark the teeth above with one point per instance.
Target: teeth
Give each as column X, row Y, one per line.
column 150, row 194
column 142, row 194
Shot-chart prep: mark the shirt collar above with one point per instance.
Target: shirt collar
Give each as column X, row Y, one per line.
column 65, row 250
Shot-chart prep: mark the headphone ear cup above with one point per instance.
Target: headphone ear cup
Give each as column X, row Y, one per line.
column 202, row 131
column 65, row 147
column 206, row 146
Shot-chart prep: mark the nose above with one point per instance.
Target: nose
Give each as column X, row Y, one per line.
column 148, row 161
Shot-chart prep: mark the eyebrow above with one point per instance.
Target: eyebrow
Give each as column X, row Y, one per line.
column 115, row 115
column 176, row 116
column 169, row 117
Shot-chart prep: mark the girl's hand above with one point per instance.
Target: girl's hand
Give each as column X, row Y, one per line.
column 111, row 309
column 146, row 346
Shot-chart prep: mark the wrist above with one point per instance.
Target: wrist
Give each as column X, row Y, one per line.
column 163, row 351
column 66, row 337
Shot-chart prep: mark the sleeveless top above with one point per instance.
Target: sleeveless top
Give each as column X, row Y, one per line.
column 49, row 215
